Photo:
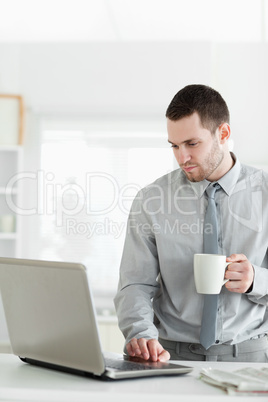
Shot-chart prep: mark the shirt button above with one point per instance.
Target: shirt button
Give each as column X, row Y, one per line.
column 217, row 341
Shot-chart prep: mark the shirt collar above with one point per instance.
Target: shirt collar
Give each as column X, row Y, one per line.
column 227, row 182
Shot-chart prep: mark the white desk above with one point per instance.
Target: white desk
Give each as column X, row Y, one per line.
column 22, row 382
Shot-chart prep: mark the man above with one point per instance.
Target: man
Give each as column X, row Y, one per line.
column 159, row 310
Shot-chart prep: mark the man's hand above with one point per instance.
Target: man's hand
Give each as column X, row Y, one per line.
column 147, row 349
column 240, row 273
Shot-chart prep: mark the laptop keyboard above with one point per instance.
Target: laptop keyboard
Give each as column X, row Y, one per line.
column 123, row 365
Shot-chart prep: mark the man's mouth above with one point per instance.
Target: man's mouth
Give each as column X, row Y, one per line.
column 188, row 168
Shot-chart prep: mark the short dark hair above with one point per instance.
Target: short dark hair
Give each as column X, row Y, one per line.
column 208, row 103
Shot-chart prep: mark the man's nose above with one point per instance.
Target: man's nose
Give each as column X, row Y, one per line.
column 183, row 156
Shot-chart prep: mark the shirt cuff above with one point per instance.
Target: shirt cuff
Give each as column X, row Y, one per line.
column 259, row 287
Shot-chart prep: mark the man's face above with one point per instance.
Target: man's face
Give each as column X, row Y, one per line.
column 197, row 151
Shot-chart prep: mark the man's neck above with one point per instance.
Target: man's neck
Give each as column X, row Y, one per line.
column 226, row 165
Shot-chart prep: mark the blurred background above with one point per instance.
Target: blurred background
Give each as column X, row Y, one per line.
column 96, row 77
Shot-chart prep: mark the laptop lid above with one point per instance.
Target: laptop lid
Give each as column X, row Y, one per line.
column 51, row 321
column 50, row 314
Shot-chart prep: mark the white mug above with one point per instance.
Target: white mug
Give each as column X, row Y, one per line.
column 209, row 271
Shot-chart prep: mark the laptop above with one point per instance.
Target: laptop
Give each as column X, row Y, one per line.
column 52, row 323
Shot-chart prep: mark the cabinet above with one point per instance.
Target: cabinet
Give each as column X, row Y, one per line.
column 10, row 200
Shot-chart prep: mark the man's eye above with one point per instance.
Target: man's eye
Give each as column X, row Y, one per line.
column 174, row 146
column 192, row 144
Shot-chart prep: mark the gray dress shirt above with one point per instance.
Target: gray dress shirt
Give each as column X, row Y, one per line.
column 156, row 295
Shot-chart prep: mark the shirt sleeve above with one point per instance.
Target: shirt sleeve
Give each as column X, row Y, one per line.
column 138, row 276
column 259, row 292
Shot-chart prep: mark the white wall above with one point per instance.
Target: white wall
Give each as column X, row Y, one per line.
column 139, row 79
column 241, row 75
column 121, row 78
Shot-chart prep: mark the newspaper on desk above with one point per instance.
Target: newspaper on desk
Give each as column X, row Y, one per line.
column 245, row 381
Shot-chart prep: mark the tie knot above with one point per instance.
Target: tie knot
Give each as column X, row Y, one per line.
column 211, row 189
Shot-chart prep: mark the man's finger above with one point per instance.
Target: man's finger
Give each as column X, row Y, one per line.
column 236, row 258
column 144, row 348
column 154, row 349
column 157, row 352
column 164, row 356
column 133, row 348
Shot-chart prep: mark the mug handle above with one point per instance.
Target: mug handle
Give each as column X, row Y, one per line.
column 226, row 280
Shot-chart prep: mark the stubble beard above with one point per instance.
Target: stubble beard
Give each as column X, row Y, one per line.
column 211, row 163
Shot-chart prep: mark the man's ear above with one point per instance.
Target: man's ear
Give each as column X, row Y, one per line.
column 224, row 132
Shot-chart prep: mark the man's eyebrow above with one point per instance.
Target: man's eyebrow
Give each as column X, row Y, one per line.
column 183, row 142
